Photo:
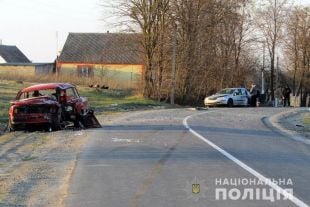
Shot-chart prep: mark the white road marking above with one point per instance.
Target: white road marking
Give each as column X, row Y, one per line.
column 98, row 165
column 125, row 140
column 277, row 188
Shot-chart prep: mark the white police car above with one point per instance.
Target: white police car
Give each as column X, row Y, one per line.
column 229, row 97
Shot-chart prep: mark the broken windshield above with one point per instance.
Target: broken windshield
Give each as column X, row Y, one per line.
column 37, row 93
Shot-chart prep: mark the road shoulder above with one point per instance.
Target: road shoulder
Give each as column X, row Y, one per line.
column 290, row 124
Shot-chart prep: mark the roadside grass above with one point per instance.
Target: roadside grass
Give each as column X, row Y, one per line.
column 102, row 101
column 117, row 100
column 113, row 82
column 8, row 91
column 307, row 120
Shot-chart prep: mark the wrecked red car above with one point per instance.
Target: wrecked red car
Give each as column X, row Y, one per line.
column 52, row 106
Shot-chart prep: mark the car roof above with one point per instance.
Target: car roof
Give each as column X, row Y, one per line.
column 233, row 88
column 47, row 86
column 228, row 89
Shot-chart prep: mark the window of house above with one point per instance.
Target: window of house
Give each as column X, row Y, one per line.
column 85, row 70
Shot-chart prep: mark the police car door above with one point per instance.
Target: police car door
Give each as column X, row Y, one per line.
column 238, row 97
column 244, row 97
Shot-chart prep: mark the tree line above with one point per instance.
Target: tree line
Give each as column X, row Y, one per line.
column 192, row 48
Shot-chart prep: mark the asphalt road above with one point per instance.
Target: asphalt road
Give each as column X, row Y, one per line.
column 153, row 159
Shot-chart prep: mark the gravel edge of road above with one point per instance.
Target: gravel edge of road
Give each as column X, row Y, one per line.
column 273, row 122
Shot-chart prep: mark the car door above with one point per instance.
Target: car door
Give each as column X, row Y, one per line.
column 79, row 103
column 245, row 96
column 237, row 97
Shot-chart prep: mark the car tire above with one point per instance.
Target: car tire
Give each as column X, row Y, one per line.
column 59, row 124
column 78, row 122
column 230, row 103
column 78, row 125
column 11, row 127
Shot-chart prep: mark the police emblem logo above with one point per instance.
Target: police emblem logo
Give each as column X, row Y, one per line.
column 195, row 188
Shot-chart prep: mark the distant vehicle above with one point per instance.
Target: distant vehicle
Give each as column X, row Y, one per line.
column 52, row 106
column 229, row 97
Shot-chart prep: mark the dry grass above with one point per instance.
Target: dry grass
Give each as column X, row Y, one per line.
column 307, row 120
column 112, row 82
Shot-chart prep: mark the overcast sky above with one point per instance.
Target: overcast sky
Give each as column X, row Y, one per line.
column 33, row 25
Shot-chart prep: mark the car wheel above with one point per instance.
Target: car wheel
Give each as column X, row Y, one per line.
column 59, row 124
column 230, row 103
column 78, row 122
column 11, row 127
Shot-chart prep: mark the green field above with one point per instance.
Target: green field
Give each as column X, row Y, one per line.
column 102, row 101
column 8, row 91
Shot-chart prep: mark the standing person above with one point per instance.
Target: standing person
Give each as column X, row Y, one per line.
column 253, row 93
column 258, row 98
column 279, row 96
column 286, row 96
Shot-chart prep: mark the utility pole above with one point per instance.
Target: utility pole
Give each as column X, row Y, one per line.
column 57, row 43
column 273, row 46
column 263, row 70
column 277, row 73
column 174, row 51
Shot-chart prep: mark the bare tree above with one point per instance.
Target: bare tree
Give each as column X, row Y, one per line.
column 210, row 39
column 150, row 16
column 271, row 22
column 298, row 49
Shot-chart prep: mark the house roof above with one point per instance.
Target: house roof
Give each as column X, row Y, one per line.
column 106, row 48
column 11, row 54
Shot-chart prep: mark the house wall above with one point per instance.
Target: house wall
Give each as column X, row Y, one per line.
column 17, row 70
column 117, row 71
column 44, row 69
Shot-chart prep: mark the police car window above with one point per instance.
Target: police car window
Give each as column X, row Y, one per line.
column 243, row 92
column 238, row 92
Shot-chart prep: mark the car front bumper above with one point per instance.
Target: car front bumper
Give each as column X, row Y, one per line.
column 215, row 102
column 22, row 119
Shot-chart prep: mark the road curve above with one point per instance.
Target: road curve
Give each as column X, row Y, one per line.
column 151, row 159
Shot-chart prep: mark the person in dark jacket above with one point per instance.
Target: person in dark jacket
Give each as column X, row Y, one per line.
column 253, row 92
column 286, row 96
